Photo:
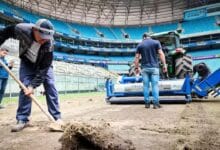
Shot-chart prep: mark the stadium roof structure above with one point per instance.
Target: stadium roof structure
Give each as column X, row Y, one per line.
column 111, row 12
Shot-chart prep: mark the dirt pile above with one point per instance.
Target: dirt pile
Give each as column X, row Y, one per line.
column 84, row 136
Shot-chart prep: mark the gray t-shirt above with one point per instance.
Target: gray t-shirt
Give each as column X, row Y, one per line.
column 148, row 49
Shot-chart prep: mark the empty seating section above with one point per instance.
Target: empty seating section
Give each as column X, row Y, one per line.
column 63, row 56
column 107, row 32
column 213, row 64
column 62, row 27
column 81, row 70
column 164, row 27
column 200, row 25
column 206, row 52
column 85, row 30
column 121, row 58
column 30, row 17
column 136, row 32
column 60, row 56
column 71, row 69
column 18, row 12
column 8, row 8
column 117, row 32
column 119, row 68
column 90, row 57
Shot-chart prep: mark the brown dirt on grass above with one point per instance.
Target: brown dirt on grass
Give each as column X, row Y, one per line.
column 173, row 127
column 79, row 136
column 201, row 130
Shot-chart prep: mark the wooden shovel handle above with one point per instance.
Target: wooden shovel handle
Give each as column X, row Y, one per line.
column 33, row 98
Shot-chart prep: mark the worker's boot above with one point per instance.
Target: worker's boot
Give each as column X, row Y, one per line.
column 19, row 126
column 156, row 106
column 147, row 105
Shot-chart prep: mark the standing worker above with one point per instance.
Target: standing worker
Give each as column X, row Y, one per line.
column 36, row 54
column 148, row 50
column 3, row 73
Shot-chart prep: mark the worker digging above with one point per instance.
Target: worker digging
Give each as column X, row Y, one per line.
column 109, row 75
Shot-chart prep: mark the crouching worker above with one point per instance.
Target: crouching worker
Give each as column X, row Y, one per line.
column 3, row 73
column 36, row 54
column 202, row 70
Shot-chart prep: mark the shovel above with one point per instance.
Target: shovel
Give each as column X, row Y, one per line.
column 54, row 126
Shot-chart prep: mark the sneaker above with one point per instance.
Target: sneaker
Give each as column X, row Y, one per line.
column 19, row 126
column 156, row 106
column 159, row 106
column 147, row 105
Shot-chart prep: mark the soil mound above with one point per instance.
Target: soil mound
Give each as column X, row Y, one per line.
column 84, row 136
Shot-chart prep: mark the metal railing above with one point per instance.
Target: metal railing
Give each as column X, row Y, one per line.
column 64, row 83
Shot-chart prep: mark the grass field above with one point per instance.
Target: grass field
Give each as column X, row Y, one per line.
column 12, row 100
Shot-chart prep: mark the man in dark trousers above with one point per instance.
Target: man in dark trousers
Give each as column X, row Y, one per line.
column 148, row 50
column 36, row 54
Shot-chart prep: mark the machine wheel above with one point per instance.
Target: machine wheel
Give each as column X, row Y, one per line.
column 182, row 66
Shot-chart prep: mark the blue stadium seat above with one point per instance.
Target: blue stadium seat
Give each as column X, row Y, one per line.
column 62, row 27
column 30, row 17
column 200, row 25
column 107, row 32
column 117, row 32
column 164, row 27
column 94, row 57
column 9, row 8
column 120, row 68
column 85, row 30
column 213, row 64
column 120, row 58
column 205, row 52
column 136, row 32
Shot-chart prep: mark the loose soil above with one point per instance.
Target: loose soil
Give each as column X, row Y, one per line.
column 174, row 126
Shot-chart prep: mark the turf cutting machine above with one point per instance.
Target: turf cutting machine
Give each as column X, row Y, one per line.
column 130, row 89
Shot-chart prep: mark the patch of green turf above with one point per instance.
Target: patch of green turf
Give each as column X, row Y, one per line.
column 8, row 100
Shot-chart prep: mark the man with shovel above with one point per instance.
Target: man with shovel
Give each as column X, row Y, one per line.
column 36, row 54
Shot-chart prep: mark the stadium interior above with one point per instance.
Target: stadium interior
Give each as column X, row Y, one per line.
column 98, row 38
column 93, row 96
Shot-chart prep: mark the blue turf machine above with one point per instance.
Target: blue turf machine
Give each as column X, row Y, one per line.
column 210, row 84
column 130, row 89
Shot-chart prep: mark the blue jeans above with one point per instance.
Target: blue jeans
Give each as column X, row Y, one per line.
column 24, row 107
column 151, row 75
column 3, row 83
